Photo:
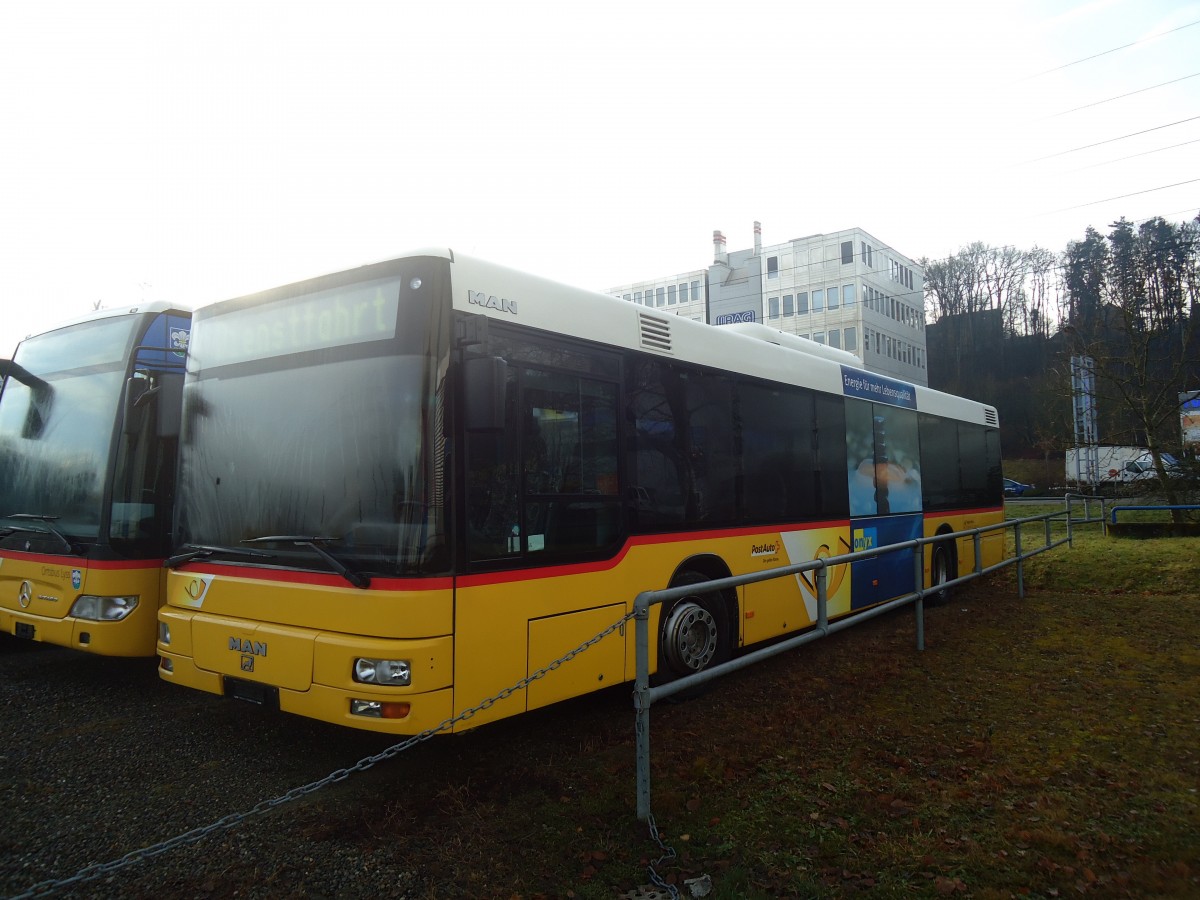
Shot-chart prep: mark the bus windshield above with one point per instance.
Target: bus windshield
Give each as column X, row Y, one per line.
column 319, row 413
column 56, row 424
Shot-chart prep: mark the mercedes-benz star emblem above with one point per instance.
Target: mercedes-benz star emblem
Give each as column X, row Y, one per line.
column 25, row 594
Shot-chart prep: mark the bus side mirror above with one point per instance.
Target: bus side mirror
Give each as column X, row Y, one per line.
column 41, row 395
column 170, row 404
column 166, row 396
column 137, row 392
column 484, row 382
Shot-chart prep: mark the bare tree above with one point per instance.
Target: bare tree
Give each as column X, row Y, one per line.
column 1132, row 309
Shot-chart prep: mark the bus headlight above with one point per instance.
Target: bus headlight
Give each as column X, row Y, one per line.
column 164, row 634
column 103, row 609
column 382, row 671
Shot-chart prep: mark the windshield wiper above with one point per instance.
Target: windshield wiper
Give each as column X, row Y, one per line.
column 45, row 520
column 313, row 543
column 204, row 551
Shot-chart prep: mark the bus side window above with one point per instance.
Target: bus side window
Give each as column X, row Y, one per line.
column 570, row 455
column 493, row 472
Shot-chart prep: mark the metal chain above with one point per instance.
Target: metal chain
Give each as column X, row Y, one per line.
column 92, row 872
column 668, row 855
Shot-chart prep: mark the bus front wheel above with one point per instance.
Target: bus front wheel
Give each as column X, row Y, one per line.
column 695, row 631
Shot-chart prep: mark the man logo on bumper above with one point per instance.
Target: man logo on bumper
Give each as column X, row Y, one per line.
column 249, row 649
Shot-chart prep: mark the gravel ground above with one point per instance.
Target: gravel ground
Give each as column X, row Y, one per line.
column 100, row 758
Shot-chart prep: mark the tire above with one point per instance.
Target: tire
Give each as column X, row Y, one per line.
column 694, row 632
column 942, row 568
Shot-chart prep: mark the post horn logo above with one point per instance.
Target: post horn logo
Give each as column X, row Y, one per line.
column 25, row 595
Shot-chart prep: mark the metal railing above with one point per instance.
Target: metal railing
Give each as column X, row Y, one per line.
column 1191, row 507
column 645, row 695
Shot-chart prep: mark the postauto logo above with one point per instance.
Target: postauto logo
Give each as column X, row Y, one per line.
column 865, row 539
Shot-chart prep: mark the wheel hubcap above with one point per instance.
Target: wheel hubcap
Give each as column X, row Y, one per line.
column 690, row 637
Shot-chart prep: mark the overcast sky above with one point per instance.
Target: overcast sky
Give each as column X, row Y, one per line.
column 191, row 152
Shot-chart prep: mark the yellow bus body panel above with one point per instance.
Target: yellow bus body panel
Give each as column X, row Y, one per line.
column 471, row 638
column 225, row 625
column 992, row 545
column 601, row 665
column 56, row 582
column 506, row 629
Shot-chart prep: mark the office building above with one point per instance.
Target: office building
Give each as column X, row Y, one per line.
column 846, row 289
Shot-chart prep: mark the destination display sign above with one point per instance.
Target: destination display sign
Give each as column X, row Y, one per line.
column 351, row 315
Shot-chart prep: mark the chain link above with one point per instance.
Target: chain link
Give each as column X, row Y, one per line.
column 98, row 870
column 668, row 855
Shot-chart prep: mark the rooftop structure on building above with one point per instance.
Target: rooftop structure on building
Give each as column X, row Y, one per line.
column 845, row 289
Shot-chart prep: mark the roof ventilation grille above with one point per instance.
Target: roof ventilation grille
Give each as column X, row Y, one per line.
column 655, row 332
column 990, row 417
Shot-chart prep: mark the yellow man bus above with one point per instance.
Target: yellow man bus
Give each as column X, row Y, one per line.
column 89, row 423
column 407, row 486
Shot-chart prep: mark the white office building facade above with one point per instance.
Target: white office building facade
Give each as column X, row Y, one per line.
column 844, row 289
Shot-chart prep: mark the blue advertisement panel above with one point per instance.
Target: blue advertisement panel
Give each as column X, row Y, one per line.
column 868, row 386
column 887, row 576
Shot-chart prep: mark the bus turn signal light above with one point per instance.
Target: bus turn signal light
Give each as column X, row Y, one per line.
column 379, row 709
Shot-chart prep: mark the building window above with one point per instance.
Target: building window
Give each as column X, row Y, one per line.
column 818, row 300
column 835, row 338
column 805, row 336
column 660, row 297
column 833, row 297
column 789, row 308
column 670, row 295
column 819, row 337
column 850, row 339
column 772, row 266
column 626, row 297
column 695, row 290
column 802, row 302
column 773, row 308
column 637, row 296
column 683, row 293
column 847, row 295
column 847, row 252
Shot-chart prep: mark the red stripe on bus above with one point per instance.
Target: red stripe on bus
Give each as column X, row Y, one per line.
column 75, row 562
column 507, row 576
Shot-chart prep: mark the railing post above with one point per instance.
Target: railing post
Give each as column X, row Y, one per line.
column 977, row 546
column 919, row 584
column 1070, row 531
column 641, row 701
column 1020, row 561
column 821, row 575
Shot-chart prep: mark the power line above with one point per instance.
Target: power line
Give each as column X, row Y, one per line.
column 1110, row 140
column 1123, row 196
column 1113, row 50
column 1122, row 96
column 1135, row 155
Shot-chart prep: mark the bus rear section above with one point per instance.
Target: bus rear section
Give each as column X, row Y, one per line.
column 88, row 432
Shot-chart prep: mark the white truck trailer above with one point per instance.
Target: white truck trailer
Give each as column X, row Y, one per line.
column 1113, row 466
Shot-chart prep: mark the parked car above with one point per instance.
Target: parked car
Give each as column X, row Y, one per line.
column 1015, row 488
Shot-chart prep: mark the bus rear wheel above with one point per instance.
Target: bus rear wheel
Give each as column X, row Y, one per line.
column 695, row 632
column 942, row 569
